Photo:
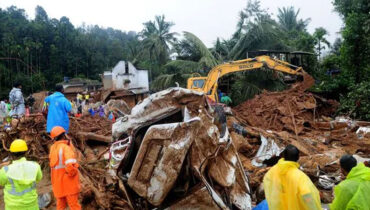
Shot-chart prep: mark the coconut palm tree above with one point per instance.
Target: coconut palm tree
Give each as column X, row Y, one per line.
column 192, row 57
column 157, row 38
column 320, row 39
column 288, row 20
column 259, row 33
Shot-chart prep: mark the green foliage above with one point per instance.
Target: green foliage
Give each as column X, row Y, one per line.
column 355, row 50
column 207, row 60
column 157, row 38
column 353, row 56
column 193, row 57
column 259, row 32
column 357, row 102
column 288, row 20
column 183, row 66
column 251, row 83
column 165, row 81
column 42, row 51
column 320, row 40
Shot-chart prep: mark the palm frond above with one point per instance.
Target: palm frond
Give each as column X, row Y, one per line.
column 254, row 82
column 162, row 82
column 183, row 66
column 165, row 81
column 204, row 51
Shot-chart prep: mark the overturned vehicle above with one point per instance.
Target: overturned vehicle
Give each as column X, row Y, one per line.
column 174, row 151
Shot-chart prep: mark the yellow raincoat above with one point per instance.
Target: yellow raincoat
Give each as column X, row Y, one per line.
column 288, row 188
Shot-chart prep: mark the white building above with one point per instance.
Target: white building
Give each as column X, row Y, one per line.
column 125, row 76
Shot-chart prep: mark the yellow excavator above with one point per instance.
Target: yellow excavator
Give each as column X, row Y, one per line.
column 209, row 85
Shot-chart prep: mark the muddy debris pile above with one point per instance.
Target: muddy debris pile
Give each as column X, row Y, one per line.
column 175, row 150
column 264, row 125
column 91, row 137
column 291, row 110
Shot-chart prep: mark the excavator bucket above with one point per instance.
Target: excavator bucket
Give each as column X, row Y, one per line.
column 307, row 82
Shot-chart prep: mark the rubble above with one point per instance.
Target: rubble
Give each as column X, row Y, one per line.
column 257, row 134
column 299, row 118
column 291, row 110
column 39, row 101
column 180, row 146
column 99, row 189
column 175, row 151
column 119, row 107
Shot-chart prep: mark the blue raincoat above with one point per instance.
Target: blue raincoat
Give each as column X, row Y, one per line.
column 59, row 107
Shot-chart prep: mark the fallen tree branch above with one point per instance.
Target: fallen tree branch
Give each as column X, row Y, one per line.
column 92, row 136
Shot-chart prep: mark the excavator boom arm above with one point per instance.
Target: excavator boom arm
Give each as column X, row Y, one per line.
column 246, row 65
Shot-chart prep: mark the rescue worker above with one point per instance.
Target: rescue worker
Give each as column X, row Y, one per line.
column 17, row 101
column 225, row 99
column 353, row 192
column 58, row 109
column 64, row 170
column 79, row 103
column 219, row 94
column 287, row 187
column 19, row 179
column 3, row 112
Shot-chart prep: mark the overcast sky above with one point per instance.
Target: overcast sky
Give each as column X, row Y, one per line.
column 208, row 19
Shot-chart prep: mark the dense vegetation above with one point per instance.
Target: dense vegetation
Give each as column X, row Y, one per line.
column 41, row 51
column 350, row 55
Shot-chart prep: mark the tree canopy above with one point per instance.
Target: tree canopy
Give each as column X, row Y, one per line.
column 39, row 52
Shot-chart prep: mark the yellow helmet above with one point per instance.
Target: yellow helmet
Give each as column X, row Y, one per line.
column 18, row 145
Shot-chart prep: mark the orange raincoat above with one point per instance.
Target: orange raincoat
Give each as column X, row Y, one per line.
column 64, row 169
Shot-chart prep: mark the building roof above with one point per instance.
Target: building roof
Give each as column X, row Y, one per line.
column 74, row 90
column 81, row 81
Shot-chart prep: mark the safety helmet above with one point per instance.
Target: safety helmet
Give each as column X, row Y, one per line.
column 57, row 131
column 18, row 145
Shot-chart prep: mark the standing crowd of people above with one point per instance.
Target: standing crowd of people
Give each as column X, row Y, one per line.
column 20, row 177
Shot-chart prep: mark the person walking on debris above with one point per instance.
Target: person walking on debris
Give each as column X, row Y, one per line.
column 58, row 109
column 353, row 192
column 287, row 187
column 225, row 99
column 17, row 101
column 64, row 170
column 19, row 179
column 3, row 111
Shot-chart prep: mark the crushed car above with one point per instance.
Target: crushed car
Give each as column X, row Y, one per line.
column 174, row 151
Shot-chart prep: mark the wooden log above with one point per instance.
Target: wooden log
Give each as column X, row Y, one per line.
column 92, row 136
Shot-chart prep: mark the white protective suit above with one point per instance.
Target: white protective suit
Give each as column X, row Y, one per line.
column 17, row 101
column 3, row 111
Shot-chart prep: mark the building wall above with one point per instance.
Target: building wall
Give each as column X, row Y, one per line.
column 107, row 80
column 143, row 78
column 138, row 78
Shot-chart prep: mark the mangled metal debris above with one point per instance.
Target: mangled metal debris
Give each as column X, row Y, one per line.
column 181, row 155
column 267, row 150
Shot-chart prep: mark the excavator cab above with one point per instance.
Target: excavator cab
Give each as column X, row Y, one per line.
column 196, row 83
